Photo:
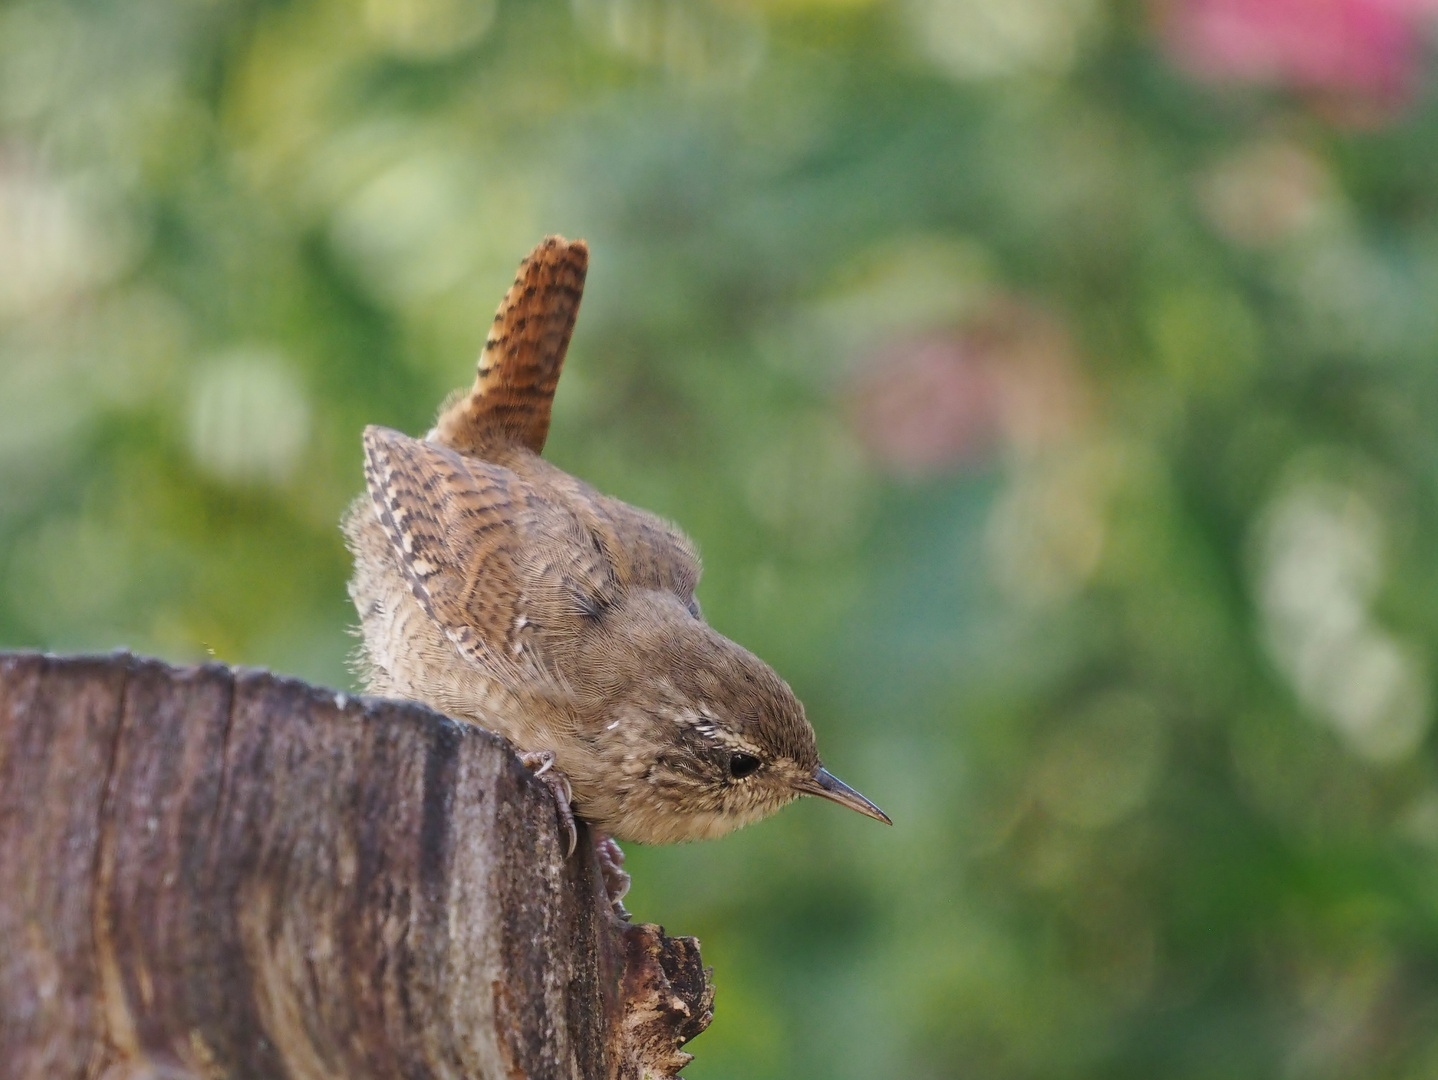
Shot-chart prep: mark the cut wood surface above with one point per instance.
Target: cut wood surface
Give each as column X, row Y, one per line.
column 209, row 872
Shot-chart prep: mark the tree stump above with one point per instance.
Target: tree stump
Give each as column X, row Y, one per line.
column 207, row 872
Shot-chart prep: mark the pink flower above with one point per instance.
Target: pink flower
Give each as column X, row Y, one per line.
column 942, row 400
column 1364, row 51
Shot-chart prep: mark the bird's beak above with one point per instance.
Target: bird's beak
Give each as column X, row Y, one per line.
column 828, row 786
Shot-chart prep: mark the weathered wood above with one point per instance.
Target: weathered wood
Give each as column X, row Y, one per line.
column 216, row 873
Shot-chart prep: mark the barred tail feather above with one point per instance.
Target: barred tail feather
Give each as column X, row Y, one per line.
column 522, row 358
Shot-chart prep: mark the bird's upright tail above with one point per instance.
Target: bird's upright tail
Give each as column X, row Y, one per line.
column 519, row 368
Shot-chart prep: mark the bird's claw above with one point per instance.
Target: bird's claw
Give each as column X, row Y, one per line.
column 541, row 763
column 611, row 868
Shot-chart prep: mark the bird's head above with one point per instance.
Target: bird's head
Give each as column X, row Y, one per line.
column 697, row 735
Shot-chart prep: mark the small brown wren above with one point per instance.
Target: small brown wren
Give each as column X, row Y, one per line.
column 502, row 591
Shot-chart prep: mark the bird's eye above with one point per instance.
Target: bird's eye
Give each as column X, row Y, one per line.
column 742, row 765
column 694, row 608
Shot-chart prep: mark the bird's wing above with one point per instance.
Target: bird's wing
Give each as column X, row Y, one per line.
column 519, row 368
column 652, row 553
column 489, row 559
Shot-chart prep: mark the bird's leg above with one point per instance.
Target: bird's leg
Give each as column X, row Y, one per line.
column 607, row 851
column 541, row 763
column 611, row 867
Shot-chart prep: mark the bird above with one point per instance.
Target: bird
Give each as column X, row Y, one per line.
column 504, row 592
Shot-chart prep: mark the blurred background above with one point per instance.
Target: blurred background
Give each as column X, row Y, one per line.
column 1049, row 384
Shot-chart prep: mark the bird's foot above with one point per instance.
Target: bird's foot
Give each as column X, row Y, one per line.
column 611, row 867
column 541, row 763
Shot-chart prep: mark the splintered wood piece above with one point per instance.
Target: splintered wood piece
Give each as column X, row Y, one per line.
column 216, row 873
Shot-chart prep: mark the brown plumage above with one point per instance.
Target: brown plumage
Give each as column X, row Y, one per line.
column 503, row 591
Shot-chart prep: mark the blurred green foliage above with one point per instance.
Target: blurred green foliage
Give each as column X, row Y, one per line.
column 1064, row 429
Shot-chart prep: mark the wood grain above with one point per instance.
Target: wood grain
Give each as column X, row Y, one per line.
column 207, row 872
